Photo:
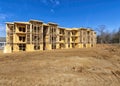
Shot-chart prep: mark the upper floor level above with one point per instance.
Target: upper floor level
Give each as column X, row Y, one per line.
column 50, row 29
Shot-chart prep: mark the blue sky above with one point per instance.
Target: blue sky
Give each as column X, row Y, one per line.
column 67, row 13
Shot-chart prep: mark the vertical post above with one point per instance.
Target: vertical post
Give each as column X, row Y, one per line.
column 30, row 33
column 26, row 33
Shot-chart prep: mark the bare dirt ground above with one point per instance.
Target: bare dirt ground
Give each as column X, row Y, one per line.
column 99, row 66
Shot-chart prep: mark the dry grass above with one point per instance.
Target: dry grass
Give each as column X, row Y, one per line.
column 98, row 66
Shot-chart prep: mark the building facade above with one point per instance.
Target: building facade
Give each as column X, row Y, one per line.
column 36, row 35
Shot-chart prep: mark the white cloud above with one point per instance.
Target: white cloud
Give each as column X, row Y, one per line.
column 3, row 16
column 2, row 30
column 52, row 10
column 44, row 1
column 2, row 27
column 55, row 2
column 52, row 2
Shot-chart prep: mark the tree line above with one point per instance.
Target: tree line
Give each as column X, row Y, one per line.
column 105, row 37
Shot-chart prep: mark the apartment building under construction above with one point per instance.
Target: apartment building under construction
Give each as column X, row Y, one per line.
column 36, row 35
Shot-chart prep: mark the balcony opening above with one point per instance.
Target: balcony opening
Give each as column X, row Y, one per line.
column 73, row 39
column 36, row 47
column 35, row 29
column 22, row 38
column 62, row 46
column 22, row 29
column 54, row 30
column 61, row 39
column 69, row 33
column 62, row 32
column 74, row 32
column 88, row 32
column 22, row 47
column 91, row 45
column 84, row 45
column 53, row 46
column 68, row 45
column 73, row 45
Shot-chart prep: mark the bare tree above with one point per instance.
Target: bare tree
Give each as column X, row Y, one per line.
column 107, row 37
column 101, row 30
column 115, row 36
